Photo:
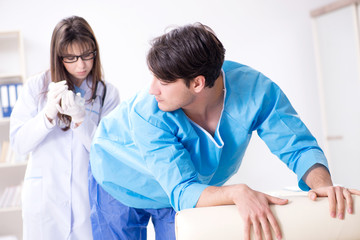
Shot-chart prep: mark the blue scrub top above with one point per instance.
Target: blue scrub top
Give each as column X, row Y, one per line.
column 148, row 158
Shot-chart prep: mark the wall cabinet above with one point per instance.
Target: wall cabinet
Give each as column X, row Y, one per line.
column 337, row 46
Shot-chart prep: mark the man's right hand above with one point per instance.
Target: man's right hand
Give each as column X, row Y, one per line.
column 253, row 206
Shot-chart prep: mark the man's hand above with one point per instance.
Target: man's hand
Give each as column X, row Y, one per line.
column 253, row 206
column 337, row 197
column 319, row 180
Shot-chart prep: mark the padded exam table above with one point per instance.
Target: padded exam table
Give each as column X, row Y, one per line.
column 301, row 219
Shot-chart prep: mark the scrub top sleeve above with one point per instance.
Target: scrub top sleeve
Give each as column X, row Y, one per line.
column 27, row 120
column 168, row 161
column 278, row 124
column 104, row 157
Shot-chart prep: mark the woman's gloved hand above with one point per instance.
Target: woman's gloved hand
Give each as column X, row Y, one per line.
column 73, row 106
column 56, row 90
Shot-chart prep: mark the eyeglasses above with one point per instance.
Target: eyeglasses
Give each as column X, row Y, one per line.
column 84, row 57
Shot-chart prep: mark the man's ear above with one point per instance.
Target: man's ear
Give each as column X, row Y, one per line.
column 198, row 83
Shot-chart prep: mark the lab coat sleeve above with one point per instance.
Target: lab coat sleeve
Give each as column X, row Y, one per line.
column 168, row 161
column 86, row 131
column 285, row 134
column 27, row 120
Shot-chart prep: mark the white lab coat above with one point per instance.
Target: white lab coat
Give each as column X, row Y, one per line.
column 55, row 198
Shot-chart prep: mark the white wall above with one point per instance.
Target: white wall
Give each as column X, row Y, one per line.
column 274, row 37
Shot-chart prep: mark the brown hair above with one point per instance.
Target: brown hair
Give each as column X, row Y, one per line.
column 69, row 31
column 187, row 52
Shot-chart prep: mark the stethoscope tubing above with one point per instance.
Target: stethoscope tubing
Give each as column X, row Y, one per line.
column 102, row 99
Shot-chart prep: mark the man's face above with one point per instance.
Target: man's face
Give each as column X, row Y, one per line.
column 171, row 96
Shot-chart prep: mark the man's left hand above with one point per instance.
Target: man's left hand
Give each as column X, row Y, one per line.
column 338, row 196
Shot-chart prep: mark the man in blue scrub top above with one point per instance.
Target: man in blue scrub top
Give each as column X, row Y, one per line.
column 174, row 145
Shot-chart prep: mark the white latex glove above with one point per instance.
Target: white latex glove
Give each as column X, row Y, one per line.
column 73, row 106
column 56, row 90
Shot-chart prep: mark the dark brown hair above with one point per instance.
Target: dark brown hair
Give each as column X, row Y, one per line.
column 187, row 52
column 69, row 31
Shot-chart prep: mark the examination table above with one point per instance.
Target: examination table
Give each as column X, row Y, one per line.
column 301, row 219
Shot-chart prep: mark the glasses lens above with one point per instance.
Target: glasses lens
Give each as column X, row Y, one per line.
column 69, row 59
column 88, row 56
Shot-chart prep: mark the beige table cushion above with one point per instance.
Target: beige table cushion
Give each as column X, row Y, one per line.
column 301, row 219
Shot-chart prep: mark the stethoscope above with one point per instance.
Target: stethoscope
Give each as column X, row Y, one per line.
column 93, row 98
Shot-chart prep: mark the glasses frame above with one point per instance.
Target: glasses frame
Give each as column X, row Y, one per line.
column 79, row 56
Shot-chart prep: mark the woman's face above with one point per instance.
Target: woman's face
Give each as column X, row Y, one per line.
column 78, row 62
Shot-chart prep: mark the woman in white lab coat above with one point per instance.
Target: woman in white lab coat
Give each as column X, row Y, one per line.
column 54, row 119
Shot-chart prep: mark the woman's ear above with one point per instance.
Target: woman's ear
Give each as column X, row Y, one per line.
column 198, row 83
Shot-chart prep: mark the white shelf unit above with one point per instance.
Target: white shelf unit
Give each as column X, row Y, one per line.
column 4, row 129
column 12, row 59
column 12, row 70
column 10, row 218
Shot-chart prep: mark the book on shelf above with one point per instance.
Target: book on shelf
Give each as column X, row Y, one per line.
column 7, row 155
column 11, row 197
column 4, row 151
column 8, row 237
column 8, row 95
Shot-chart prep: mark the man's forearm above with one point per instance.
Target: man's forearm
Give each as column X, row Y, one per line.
column 215, row 196
column 317, row 176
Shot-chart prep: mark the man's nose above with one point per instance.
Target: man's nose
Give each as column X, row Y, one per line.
column 154, row 89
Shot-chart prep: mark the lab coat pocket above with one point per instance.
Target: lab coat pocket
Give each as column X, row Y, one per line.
column 32, row 193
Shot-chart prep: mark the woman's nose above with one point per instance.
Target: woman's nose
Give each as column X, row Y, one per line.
column 80, row 63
